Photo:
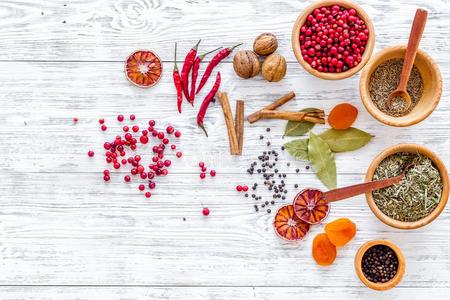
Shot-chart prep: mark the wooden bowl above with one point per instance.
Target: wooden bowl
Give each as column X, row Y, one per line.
column 412, row 148
column 386, row 285
column 301, row 20
column 432, row 87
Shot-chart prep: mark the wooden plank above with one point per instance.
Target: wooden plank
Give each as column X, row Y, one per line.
column 129, row 293
column 72, row 229
column 108, row 30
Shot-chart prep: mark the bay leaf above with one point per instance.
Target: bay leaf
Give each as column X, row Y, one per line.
column 345, row 140
column 298, row 149
column 294, row 128
column 322, row 160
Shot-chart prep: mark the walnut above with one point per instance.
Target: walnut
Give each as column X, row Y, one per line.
column 274, row 67
column 265, row 44
column 246, row 64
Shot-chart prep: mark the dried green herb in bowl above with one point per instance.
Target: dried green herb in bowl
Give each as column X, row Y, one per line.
column 385, row 79
column 417, row 195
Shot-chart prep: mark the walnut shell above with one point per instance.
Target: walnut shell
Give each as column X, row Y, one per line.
column 274, row 67
column 246, row 64
column 265, row 44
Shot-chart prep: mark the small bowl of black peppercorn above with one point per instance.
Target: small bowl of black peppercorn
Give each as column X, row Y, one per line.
column 380, row 264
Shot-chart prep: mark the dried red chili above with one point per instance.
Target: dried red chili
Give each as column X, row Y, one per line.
column 177, row 82
column 213, row 63
column 194, row 73
column 187, row 66
column 208, row 99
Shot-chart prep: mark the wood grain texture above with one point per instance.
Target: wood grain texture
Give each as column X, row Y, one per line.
column 65, row 234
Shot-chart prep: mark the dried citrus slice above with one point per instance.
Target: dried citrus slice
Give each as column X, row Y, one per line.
column 310, row 206
column 288, row 226
column 143, row 68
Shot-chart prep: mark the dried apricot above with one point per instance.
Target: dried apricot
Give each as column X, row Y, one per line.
column 310, row 206
column 342, row 116
column 323, row 251
column 340, row 231
column 288, row 226
column 143, row 68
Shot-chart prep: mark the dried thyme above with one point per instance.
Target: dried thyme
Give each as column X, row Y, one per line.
column 384, row 81
column 417, row 195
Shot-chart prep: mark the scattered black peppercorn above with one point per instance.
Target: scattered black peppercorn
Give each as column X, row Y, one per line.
column 246, row 195
column 261, row 137
column 282, row 148
column 379, row 264
column 268, row 143
column 268, row 129
column 296, row 186
column 307, row 167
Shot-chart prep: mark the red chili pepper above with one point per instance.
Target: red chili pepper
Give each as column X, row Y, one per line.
column 194, row 73
column 177, row 82
column 208, row 99
column 213, row 63
column 188, row 62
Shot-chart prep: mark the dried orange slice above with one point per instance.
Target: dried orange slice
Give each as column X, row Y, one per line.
column 310, row 206
column 143, row 68
column 288, row 226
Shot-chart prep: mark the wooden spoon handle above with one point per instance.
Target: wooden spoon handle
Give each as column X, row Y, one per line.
column 415, row 36
column 354, row 190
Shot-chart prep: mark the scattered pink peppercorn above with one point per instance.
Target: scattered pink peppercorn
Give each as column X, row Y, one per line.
column 170, row 129
column 173, row 147
column 212, row 173
column 120, row 118
column 239, row 188
column 101, row 121
column 126, row 128
column 148, row 195
column 177, row 134
column 135, row 128
column 143, row 139
column 132, row 117
column 105, row 172
column 106, row 177
column 141, row 187
column 75, row 120
column 151, row 185
column 245, row 188
column 127, row 178
column 202, row 175
column 205, row 211
column 201, row 164
column 103, row 127
column 91, row 153
column 179, row 154
column 151, row 123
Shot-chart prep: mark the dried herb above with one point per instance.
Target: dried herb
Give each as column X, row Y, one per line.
column 298, row 149
column 322, row 159
column 384, row 81
column 417, row 195
column 345, row 140
column 294, row 128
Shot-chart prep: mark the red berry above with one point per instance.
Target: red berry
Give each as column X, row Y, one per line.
column 141, row 187
column 164, row 172
column 104, row 127
column 144, row 175
column 75, row 119
column 127, row 178
column 132, row 117
column 167, row 163
column 133, row 171
column 179, row 154
column 204, row 169
column 245, row 188
column 202, row 175
column 212, row 173
column 143, row 139
column 144, row 132
column 124, row 161
column 126, row 128
column 116, row 165
column 151, row 123
column 170, row 129
column 135, row 128
column 106, row 172
column 91, row 153
column 160, row 135
column 201, row 164
column 106, row 178
column 101, row 121
column 177, row 134
column 108, row 160
column 239, row 188
column 107, row 146
column 173, row 147
column 151, row 185
column 205, row 211
column 120, row 118
column 165, row 141
column 148, row 194
column 140, row 169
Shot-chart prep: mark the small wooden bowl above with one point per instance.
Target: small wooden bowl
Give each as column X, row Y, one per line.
column 411, row 148
column 301, row 20
column 432, row 81
column 386, row 285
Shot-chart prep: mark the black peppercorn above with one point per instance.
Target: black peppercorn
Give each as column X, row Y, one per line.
column 379, row 264
column 267, row 129
column 297, row 170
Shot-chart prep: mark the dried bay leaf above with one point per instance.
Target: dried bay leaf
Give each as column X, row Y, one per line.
column 299, row 128
column 322, row 159
column 298, row 149
column 345, row 140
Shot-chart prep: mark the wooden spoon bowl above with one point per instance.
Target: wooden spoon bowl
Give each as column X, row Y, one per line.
column 385, row 285
column 411, row 148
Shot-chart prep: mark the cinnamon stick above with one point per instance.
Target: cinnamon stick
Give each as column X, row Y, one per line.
column 239, row 123
column 292, row 116
column 256, row 115
column 232, row 138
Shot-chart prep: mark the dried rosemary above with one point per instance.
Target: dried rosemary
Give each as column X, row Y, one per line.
column 417, row 195
column 384, row 81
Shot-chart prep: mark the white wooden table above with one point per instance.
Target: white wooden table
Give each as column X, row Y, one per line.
column 65, row 234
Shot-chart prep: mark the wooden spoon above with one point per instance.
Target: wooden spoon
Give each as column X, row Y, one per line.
column 357, row 189
column 410, row 55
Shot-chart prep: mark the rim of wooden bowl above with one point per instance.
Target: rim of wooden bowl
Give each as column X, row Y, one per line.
column 378, row 114
column 411, row 148
column 374, row 285
column 301, row 20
